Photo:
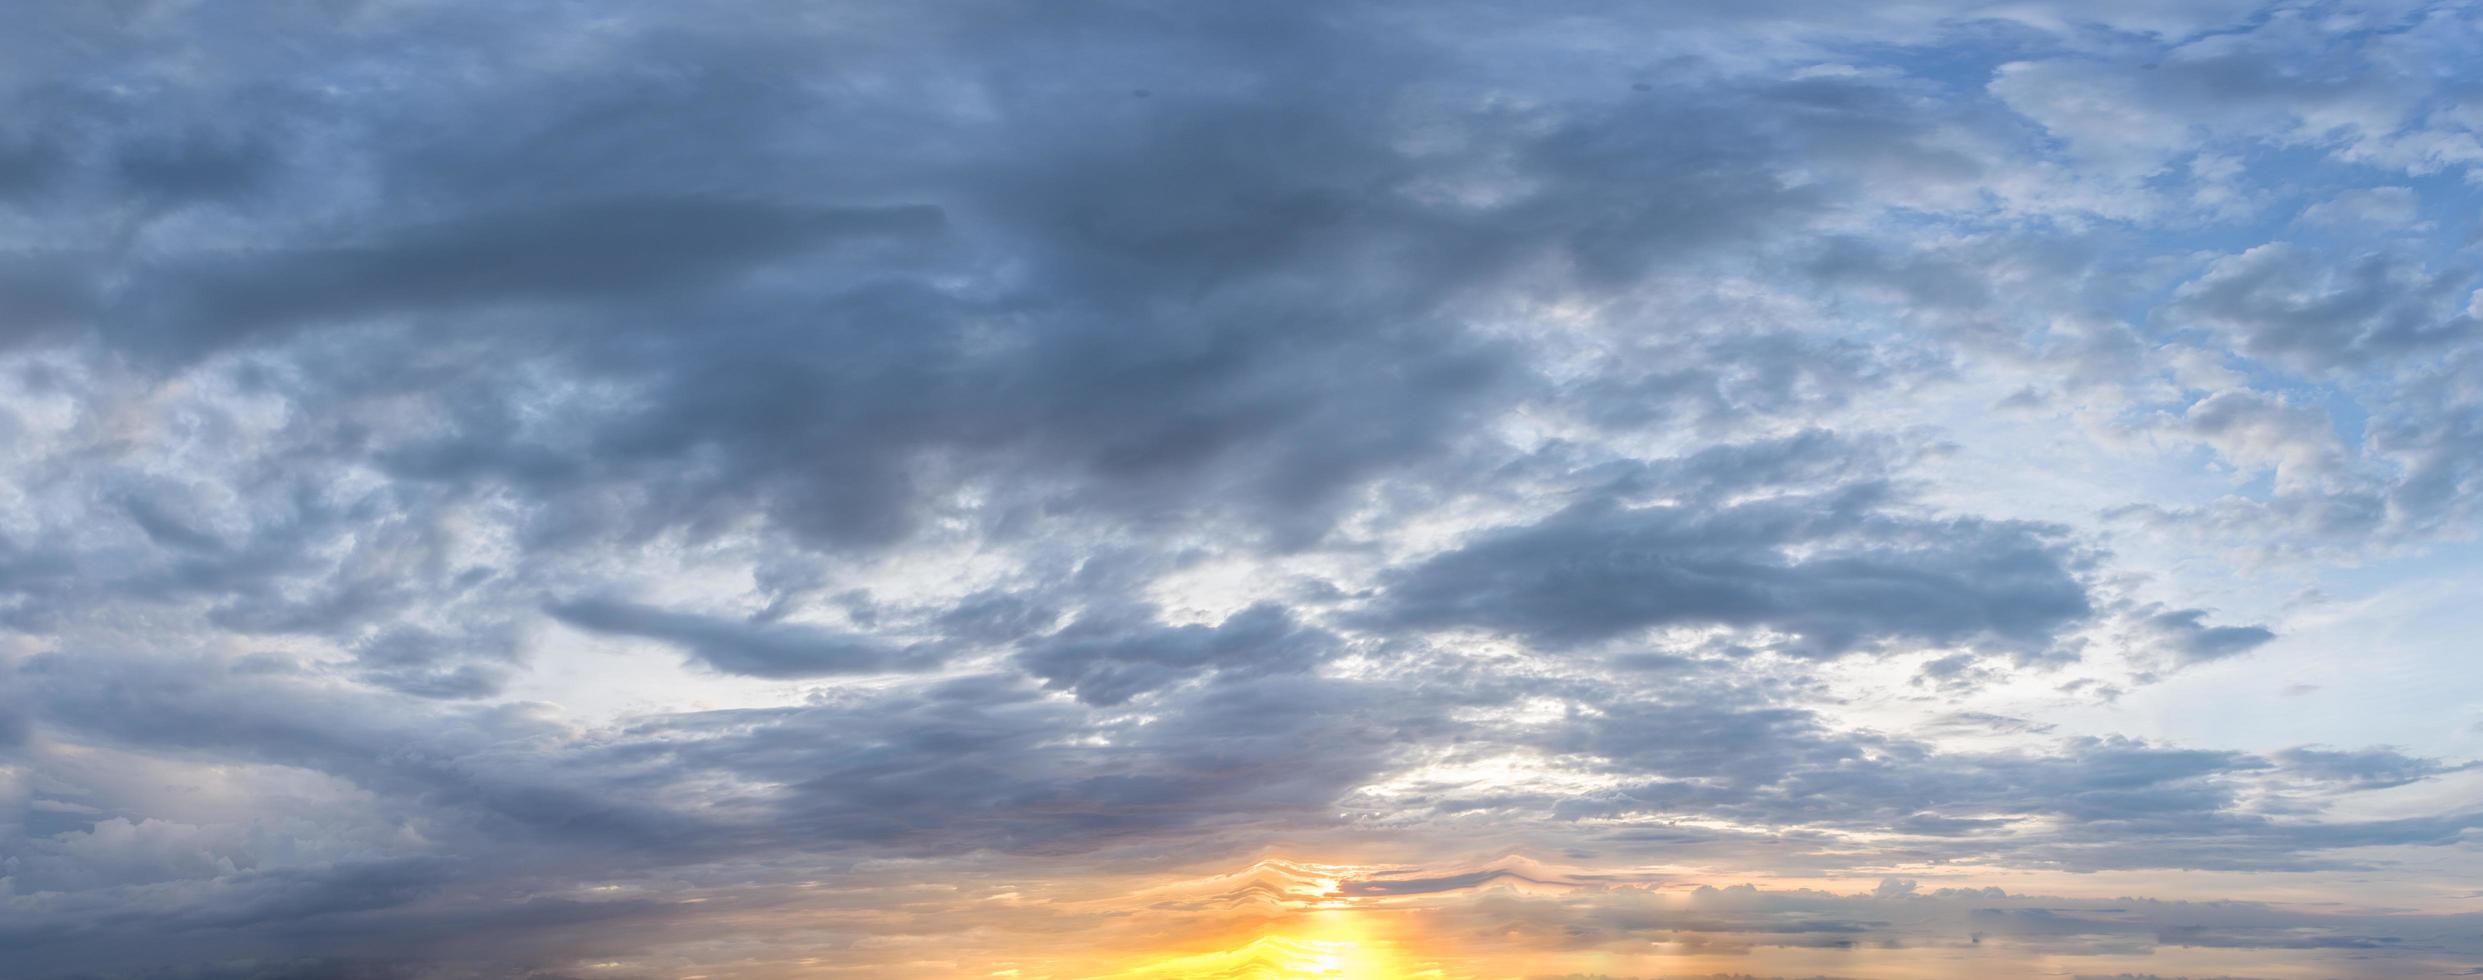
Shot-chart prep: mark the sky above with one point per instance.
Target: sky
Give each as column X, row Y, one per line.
column 1272, row 490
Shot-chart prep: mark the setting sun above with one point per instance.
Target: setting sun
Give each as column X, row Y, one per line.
column 1325, row 944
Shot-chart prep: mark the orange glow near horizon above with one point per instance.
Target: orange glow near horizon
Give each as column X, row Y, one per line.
column 1327, row 944
column 1512, row 916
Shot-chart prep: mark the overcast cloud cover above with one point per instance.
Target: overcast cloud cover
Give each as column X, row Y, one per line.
column 1185, row 489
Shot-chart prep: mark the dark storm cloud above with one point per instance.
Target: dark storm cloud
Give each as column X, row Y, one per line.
column 191, row 165
column 742, row 647
column 1689, row 749
column 1237, row 295
column 427, row 663
column 992, row 762
column 1598, row 571
column 605, row 252
column 934, row 767
column 28, row 166
column 1107, row 658
column 463, row 762
column 43, row 294
column 1138, row 297
column 1804, row 535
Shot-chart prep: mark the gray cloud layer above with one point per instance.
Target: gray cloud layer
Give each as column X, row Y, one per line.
column 1566, row 386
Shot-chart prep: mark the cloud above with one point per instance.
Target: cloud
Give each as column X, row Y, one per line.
column 2385, row 207
column 1106, row 659
column 1742, row 916
column 601, row 251
column 2192, row 642
column 2376, row 768
column 755, row 649
column 2296, row 307
column 1068, row 447
column 1833, row 570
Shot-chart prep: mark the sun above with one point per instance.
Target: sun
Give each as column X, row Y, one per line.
column 1328, row 944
